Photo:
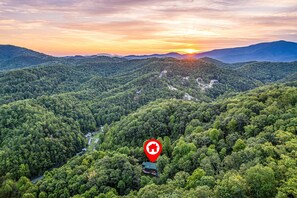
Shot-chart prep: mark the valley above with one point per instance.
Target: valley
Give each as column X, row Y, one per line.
column 228, row 130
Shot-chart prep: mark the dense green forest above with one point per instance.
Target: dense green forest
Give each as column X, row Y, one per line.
column 269, row 71
column 225, row 132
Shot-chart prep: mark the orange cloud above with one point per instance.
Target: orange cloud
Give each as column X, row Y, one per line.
column 65, row 27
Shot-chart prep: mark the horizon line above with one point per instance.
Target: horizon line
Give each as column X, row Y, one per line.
column 147, row 54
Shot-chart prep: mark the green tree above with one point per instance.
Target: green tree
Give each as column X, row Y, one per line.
column 239, row 145
column 214, row 135
column 289, row 188
column 180, row 179
column 232, row 185
column 194, row 180
column 28, row 195
column 24, row 170
column 167, row 147
column 261, row 180
column 232, row 125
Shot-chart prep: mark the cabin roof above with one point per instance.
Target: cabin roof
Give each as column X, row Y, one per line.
column 149, row 165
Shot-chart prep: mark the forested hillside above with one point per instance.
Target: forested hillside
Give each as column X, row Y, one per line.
column 268, row 72
column 13, row 57
column 222, row 136
column 236, row 147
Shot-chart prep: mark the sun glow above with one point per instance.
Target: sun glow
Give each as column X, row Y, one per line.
column 190, row 51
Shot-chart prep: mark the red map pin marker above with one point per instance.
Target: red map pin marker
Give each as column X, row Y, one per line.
column 152, row 149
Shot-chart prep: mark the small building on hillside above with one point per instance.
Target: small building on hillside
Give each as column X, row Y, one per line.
column 150, row 168
column 138, row 92
column 88, row 135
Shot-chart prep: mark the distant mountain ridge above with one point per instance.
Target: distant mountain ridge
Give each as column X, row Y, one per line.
column 168, row 55
column 10, row 51
column 13, row 57
column 277, row 51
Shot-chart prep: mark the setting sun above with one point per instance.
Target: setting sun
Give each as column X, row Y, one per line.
column 190, row 51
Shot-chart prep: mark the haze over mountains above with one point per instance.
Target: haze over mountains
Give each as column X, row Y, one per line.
column 12, row 57
column 278, row 51
column 168, row 55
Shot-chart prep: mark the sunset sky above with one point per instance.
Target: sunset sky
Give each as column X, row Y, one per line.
column 68, row 27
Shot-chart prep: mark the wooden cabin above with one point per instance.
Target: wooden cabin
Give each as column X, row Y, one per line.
column 150, row 168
